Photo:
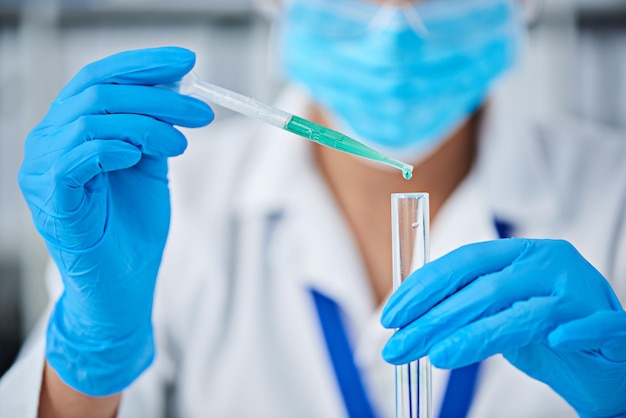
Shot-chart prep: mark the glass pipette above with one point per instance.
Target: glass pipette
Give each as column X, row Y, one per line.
column 192, row 85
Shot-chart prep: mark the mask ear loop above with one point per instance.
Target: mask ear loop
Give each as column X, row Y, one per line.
column 383, row 17
column 415, row 20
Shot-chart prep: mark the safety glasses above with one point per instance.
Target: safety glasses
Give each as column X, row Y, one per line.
column 435, row 20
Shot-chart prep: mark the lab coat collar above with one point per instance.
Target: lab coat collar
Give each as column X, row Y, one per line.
column 279, row 159
column 283, row 178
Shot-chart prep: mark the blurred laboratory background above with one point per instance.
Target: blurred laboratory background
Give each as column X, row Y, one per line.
column 576, row 66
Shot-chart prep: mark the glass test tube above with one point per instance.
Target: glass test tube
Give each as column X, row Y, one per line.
column 410, row 246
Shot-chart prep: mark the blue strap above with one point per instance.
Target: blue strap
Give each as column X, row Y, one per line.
column 461, row 384
column 504, row 228
column 352, row 389
column 459, row 392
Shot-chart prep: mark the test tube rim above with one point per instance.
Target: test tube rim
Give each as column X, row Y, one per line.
column 413, row 195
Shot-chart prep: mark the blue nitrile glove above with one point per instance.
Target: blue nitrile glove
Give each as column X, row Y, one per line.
column 95, row 178
column 538, row 302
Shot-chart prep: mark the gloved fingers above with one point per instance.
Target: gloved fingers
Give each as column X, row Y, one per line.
column 485, row 296
column 603, row 331
column 81, row 164
column 142, row 67
column 150, row 136
column 161, row 104
column 437, row 280
column 521, row 324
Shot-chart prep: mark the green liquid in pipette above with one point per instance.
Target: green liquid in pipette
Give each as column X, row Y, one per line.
column 335, row 140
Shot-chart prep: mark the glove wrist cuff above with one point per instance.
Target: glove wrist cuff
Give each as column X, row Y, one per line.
column 98, row 368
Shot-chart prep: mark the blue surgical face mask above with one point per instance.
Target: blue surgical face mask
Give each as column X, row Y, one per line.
column 399, row 77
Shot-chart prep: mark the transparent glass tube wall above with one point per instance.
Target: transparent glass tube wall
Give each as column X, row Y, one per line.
column 410, row 234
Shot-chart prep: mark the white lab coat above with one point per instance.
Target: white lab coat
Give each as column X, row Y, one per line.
column 254, row 229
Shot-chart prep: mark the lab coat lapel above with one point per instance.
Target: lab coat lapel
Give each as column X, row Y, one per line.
column 321, row 252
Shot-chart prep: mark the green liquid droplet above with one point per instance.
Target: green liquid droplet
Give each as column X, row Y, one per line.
column 407, row 173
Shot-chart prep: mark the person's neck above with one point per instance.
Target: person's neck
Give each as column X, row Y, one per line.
column 362, row 191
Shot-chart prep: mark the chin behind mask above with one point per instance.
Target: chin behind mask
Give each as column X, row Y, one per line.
column 403, row 77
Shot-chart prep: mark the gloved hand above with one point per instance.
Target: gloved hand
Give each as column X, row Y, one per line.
column 538, row 302
column 95, row 179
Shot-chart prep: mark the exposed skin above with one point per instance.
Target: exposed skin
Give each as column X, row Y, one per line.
column 57, row 400
column 363, row 191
